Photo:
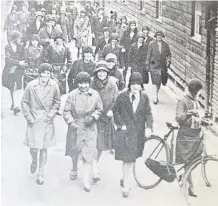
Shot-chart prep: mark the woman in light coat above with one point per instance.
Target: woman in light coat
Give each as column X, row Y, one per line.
column 82, row 110
column 106, row 86
column 40, row 104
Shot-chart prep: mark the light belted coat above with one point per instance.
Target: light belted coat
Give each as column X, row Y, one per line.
column 39, row 103
column 82, row 139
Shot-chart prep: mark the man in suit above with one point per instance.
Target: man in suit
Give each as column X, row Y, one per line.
column 98, row 23
column 158, row 60
column 104, row 40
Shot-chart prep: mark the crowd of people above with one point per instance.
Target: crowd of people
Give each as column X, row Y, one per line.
column 91, row 69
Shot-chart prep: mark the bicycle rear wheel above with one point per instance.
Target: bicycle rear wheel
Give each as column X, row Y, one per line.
column 154, row 148
column 206, row 194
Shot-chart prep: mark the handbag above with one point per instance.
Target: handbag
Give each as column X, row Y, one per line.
column 163, row 170
column 164, row 76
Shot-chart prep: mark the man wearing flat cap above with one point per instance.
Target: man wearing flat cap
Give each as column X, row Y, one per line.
column 158, row 60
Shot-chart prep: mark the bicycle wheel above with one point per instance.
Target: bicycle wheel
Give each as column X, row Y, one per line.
column 202, row 173
column 154, row 148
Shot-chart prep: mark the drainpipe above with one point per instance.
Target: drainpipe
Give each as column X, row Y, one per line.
column 210, row 23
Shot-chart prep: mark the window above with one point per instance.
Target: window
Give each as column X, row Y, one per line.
column 196, row 20
column 159, row 8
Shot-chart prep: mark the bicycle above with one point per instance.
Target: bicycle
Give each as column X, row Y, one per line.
column 159, row 148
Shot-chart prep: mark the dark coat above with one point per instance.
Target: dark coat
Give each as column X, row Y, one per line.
column 156, row 60
column 60, row 61
column 120, row 79
column 149, row 39
column 126, row 42
column 97, row 26
column 43, row 34
column 129, row 144
column 137, row 59
column 188, row 140
column 101, row 43
column 105, row 124
column 13, row 72
column 77, row 67
column 117, row 51
column 32, row 29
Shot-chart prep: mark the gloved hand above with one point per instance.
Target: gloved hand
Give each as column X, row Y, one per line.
column 148, row 132
column 89, row 120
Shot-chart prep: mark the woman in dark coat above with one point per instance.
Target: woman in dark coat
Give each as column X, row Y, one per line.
column 14, row 69
column 134, row 121
column 188, row 144
column 108, row 91
column 158, row 60
column 33, row 57
column 12, row 22
column 58, row 55
column 137, row 57
column 128, row 38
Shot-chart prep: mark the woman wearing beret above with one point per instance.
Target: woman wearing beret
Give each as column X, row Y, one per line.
column 134, row 121
column 158, row 60
column 82, row 110
column 106, row 86
column 40, row 104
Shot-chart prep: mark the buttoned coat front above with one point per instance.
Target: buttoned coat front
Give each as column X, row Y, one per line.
column 155, row 59
column 38, row 104
column 129, row 144
column 82, row 139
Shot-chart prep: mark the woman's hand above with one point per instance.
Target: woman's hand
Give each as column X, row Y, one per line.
column 110, row 113
column 148, row 132
column 123, row 128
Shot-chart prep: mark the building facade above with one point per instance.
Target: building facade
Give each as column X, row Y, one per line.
column 191, row 31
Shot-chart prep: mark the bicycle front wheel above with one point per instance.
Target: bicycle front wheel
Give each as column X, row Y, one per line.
column 154, row 148
column 203, row 176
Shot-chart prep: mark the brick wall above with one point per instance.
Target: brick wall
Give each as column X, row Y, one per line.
column 188, row 55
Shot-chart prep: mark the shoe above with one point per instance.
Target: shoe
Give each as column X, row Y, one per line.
column 96, row 179
column 73, row 174
column 87, row 188
column 33, row 166
column 155, row 101
column 191, row 193
column 126, row 194
column 121, row 183
column 16, row 111
column 40, row 180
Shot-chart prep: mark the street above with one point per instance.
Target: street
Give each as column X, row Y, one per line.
column 19, row 185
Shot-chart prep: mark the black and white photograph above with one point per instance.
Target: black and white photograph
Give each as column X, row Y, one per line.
column 109, row 103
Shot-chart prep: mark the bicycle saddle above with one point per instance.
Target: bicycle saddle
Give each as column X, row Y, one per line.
column 171, row 126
